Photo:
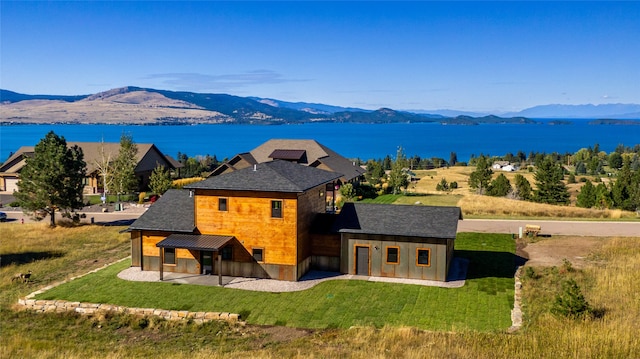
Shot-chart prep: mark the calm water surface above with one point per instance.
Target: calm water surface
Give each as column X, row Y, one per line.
column 351, row 140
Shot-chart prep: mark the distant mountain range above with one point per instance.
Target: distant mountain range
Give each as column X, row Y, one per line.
column 134, row 105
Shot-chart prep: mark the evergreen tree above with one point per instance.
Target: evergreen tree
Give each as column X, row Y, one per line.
column 623, row 191
column 550, row 188
column 453, row 159
column 587, row 195
column 160, row 180
column 603, row 197
column 615, row 160
column 523, row 188
column 499, row 187
column 53, row 178
column 479, row 179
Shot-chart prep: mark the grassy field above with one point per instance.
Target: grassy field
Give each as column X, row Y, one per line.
column 476, row 206
column 609, row 282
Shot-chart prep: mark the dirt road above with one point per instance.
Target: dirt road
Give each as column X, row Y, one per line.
column 567, row 228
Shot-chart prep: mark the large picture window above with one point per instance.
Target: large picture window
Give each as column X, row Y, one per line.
column 276, row 209
column 169, row 256
column 222, row 204
column 423, row 257
column 258, row 254
column 393, row 255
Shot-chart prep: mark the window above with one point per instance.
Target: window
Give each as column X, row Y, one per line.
column 258, row 254
column 226, row 253
column 169, row 256
column 222, row 204
column 276, row 209
column 422, row 257
column 392, row 255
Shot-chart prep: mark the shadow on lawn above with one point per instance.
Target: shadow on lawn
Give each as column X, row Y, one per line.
column 27, row 257
column 483, row 264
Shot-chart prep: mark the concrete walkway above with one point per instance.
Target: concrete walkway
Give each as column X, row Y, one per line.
column 458, row 273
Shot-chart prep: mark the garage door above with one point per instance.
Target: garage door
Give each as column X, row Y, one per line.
column 11, row 185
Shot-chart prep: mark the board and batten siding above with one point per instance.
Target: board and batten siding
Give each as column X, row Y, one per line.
column 407, row 266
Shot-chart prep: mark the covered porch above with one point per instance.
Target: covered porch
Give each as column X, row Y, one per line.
column 204, row 244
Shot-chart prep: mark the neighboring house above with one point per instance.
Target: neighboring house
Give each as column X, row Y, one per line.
column 148, row 158
column 503, row 166
column 304, row 152
column 269, row 221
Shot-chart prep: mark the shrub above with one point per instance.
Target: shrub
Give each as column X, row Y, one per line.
column 453, row 185
column 141, row 197
column 571, row 302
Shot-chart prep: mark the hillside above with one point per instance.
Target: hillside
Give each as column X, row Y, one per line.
column 144, row 106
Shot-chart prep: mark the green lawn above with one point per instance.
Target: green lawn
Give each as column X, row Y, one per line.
column 483, row 304
column 424, row 199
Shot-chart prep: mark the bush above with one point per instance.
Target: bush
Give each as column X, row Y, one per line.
column 141, row 197
column 570, row 302
column 453, row 185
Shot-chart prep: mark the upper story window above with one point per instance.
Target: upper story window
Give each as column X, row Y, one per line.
column 276, row 209
column 222, row 204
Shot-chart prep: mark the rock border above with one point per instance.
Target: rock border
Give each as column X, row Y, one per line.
column 516, row 312
column 59, row 306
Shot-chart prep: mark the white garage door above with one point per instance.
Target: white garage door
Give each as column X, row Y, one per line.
column 11, row 184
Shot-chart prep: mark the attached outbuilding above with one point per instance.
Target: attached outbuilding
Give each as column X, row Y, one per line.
column 401, row 241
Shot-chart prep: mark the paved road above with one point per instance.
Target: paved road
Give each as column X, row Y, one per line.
column 579, row 228
column 119, row 218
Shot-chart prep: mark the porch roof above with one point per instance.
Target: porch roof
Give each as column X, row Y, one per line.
column 199, row 242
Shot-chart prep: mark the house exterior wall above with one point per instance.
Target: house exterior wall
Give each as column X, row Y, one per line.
column 147, row 255
column 407, row 266
column 248, row 218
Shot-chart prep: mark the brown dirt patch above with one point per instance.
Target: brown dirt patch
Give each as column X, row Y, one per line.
column 548, row 252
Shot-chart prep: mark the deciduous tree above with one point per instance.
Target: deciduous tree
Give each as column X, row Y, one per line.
column 53, row 178
column 124, row 177
column 160, row 180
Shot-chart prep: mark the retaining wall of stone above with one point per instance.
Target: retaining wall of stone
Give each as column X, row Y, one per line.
column 48, row 306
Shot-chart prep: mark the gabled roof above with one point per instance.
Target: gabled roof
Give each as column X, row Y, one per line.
column 308, row 152
column 174, row 212
column 92, row 152
column 400, row 220
column 274, row 176
column 232, row 164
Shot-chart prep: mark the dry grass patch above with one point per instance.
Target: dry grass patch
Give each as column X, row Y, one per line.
column 474, row 205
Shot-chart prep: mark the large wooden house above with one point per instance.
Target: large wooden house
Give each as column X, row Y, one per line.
column 148, row 158
column 269, row 221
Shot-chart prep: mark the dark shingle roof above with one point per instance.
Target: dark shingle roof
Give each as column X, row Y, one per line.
column 401, row 220
column 197, row 242
column 274, row 176
column 174, row 212
column 288, row 155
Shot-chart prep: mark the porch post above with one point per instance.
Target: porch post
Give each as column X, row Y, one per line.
column 161, row 262
column 219, row 258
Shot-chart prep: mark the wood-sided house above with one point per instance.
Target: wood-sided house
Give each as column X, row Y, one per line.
column 269, row 221
column 148, row 158
column 303, row 152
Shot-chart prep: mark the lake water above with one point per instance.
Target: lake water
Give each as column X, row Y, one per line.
column 350, row 140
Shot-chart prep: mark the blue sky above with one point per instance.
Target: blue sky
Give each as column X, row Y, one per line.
column 475, row 56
